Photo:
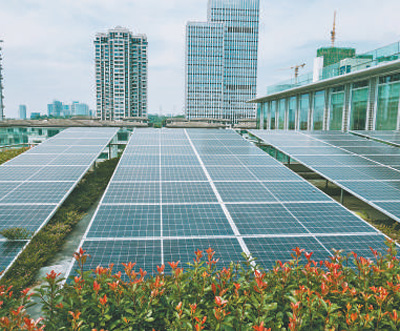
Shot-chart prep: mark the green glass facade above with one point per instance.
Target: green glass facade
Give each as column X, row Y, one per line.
column 319, row 108
column 281, row 114
column 388, row 102
column 292, row 113
column 265, row 113
column 303, row 111
column 359, row 105
column 273, row 115
column 336, row 110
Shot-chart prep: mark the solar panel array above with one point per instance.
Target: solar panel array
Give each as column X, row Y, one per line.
column 34, row 184
column 176, row 191
column 367, row 169
column 392, row 137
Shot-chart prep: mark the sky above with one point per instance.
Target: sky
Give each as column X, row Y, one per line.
column 49, row 54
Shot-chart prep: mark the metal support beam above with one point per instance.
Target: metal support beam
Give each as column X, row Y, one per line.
column 341, row 196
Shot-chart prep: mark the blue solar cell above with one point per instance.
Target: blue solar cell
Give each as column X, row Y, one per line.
column 126, row 221
column 132, row 192
column 264, row 219
column 327, row 218
column 9, row 251
column 29, row 217
column 181, row 192
column 195, row 220
column 244, row 192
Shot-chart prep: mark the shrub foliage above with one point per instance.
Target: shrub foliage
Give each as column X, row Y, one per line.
column 9, row 154
column 16, row 233
column 301, row 294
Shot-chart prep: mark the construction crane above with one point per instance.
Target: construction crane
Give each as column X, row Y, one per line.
column 296, row 69
column 333, row 32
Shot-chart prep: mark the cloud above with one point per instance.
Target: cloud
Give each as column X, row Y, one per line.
column 48, row 49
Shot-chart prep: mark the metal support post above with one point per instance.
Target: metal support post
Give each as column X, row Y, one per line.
column 326, row 184
column 341, row 196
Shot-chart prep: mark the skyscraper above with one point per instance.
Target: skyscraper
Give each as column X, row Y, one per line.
column 55, row 109
column 121, row 74
column 22, row 112
column 1, row 86
column 221, row 61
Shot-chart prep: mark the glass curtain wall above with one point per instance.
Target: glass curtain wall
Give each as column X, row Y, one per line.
column 303, row 111
column 292, row 114
column 359, row 105
column 388, row 102
column 281, row 114
column 319, row 107
column 273, row 115
column 336, row 108
column 265, row 113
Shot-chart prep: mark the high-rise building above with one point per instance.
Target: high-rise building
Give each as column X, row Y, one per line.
column 79, row 109
column 55, row 109
column 121, row 74
column 22, row 112
column 1, row 86
column 221, row 61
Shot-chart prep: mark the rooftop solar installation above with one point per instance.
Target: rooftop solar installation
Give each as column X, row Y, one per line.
column 364, row 167
column 220, row 191
column 34, row 184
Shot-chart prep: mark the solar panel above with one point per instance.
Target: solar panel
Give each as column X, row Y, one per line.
column 210, row 188
column 37, row 182
column 125, row 221
column 392, row 137
column 368, row 177
column 195, row 220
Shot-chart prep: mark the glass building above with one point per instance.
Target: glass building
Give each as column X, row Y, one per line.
column 362, row 97
column 22, row 112
column 121, row 74
column 221, row 61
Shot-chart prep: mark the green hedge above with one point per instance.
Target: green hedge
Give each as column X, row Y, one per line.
column 302, row 294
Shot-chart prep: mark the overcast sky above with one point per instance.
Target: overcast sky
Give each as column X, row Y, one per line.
column 48, row 44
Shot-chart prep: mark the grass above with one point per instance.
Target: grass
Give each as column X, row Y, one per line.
column 45, row 244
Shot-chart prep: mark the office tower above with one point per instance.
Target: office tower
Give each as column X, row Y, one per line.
column 55, row 109
column 121, row 74
column 221, row 61
column 66, row 110
column 22, row 112
column 79, row 109
column 1, row 85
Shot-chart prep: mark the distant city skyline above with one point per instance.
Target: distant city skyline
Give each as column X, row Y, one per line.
column 39, row 65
